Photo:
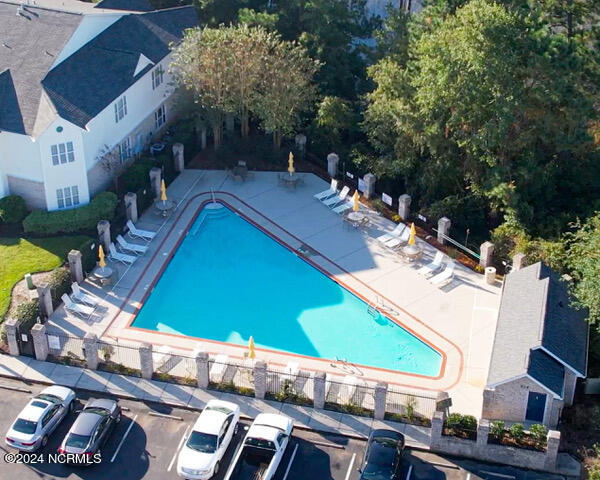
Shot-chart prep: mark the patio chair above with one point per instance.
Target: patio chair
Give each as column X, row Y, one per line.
column 82, row 297
column 343, row 207
column 161, row 358
column 219, row 366
column 82, row 311
column 432, row 267
column 134, row 232
column 337, row 198
column 445, row 276
column 131, row 247
column 396, row 232
column 118, row 256
column 399, row 240
column 347, row 389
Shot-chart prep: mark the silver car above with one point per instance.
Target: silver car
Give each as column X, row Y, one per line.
column 39, row 418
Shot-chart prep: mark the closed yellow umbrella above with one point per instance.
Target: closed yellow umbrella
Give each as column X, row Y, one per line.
column 355, row 198
column 101, row 260
column 291, row 163
column 163, row 191
column 413, row 234
column 251, row 351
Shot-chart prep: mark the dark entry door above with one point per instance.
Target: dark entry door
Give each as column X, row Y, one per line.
column 25, row 341
column 536, row 404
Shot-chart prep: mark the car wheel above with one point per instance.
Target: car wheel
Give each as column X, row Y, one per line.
column 71, row 405
column 118, row 419
column 44, row 441
column 217, row 466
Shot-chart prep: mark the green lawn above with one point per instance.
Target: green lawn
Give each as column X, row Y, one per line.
column 19, row 256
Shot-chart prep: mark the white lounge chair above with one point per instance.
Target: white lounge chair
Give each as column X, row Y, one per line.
column 396, row 232
column 219, row 366
column 337, row 198
column 343, row 207
column 161, row 358
column 131, row 247
column 347, row 389
column 118, row 256
column 434, row 266
column 332, row 190
column 399, row 240
column 83, row 311
column 82, row 297
column 137, row 233
column 445, row 276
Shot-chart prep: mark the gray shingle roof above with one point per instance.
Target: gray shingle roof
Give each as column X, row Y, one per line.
column 94, row 76
column 29, row 45
column 131, row 5
column 543, row 368
column 535, row 312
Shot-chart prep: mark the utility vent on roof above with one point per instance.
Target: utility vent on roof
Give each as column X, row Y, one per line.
column 143, row 62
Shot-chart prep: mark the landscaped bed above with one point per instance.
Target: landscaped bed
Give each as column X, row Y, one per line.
column 19, row 256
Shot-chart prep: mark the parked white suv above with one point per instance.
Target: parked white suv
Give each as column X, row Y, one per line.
column 200, row 457
column 39, row 418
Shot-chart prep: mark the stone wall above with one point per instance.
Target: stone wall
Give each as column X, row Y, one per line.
column 509, row 402
column 33, row 192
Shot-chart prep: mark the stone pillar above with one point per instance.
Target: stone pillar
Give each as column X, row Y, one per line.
column 444, row 224
column 202, row 368
column 260, row 379
column 553, row 442
column 104, row 234
column 319, row 392
column 301, row 144
column 155, row 179
column 75, row 266
column 131, row 211
column 369, row 180
column 90, row 350
column 10, row 327
column 483, row 431
column 146, row 361
column 40, row 341
column 486, row 252
column 229, row 122
column 437, row 427
column 178, row 158
column 332, row 164
column 380, row 400
column 203, row 138
column 519, row 261
column 404, row 206
column 45, row 299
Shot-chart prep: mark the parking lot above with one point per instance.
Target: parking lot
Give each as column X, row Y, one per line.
column 145, row 445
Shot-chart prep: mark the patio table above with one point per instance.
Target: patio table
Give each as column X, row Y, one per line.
column 290, row 181
column 164, row 206
column 104, row 274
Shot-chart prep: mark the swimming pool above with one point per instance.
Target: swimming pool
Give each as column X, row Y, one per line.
column 228, row 281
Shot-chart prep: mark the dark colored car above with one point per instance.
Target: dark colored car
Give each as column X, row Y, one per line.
column 383, row 456
column 92, row 427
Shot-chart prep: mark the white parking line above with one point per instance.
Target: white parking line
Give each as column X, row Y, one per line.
column 179, row 448
column 123, row 439
column 290, row 464
column 500, row 475
column 409, row 472
column 350, row 466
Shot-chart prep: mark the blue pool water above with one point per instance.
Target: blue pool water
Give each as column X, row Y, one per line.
column 228, row 280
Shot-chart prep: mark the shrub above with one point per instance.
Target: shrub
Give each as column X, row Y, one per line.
column 27, row 314
column 454, row 420
column 411, row 403
column 60, row 283
column 102, row 207
column 539, row 433
column 89, row 255
column 497, row 429
column 137, row 176
column 517, row 431
column 12, row 209
column 468, row 422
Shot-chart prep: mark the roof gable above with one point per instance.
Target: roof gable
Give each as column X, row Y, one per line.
column 547, row 371
column 142, row 63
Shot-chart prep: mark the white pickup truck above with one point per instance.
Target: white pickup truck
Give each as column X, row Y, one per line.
column 263, row 448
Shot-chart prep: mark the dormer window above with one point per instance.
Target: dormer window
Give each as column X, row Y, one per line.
column 157, row 77
column 120, row 108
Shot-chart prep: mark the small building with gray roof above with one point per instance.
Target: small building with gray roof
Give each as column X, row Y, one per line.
column 540, row 349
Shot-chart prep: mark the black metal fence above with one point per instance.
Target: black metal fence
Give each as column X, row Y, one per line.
column 290, row 385
column 350, row 395
column 64, row 348
column 119, row 358
column 229, row 376
column 409, row 407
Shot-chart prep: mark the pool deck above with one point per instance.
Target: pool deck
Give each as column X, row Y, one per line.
column 459, row 319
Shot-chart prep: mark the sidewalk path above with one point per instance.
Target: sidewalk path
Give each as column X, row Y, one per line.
column 29, row 369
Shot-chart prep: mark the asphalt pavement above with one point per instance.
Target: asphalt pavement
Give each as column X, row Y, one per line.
column 145, row 444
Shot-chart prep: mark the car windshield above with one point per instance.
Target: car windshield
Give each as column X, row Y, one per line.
column 24, row 426
column 77, row 441
column 202, row 442
column 97, row 411
column 260, row 442
column 49, row 398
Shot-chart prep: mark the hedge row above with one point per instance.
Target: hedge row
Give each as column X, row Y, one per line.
column 102, row 207
column 12, row 209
